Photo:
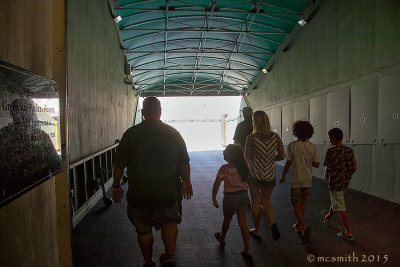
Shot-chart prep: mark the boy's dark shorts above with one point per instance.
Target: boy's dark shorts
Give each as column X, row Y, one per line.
column 144, row 220
column 298, row 195
column 234, row 202
column 261, row 183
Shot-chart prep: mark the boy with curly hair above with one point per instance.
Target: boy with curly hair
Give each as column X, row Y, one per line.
column 301, row 156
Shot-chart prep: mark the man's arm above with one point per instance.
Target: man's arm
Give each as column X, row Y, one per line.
column 187, row 190
column 285, row 171
column 327, row 163
column 327, row 171
column 353, row 164
column 117, row 191
column 315, row 164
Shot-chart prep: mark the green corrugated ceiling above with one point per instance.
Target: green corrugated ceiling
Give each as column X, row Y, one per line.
column 205, row 47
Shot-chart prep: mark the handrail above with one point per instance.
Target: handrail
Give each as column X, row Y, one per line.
column 80, row 161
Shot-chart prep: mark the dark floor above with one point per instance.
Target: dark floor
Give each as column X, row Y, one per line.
column 105, row 237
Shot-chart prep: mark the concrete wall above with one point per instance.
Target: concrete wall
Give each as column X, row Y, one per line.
column 345, row 44
column 28, row 235
column 100, row 106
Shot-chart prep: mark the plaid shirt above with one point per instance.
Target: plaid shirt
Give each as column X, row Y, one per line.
column 341, row 162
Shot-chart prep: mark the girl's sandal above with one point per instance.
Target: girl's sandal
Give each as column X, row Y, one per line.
column 218, row 236
column 253, row 233
column 345, row 236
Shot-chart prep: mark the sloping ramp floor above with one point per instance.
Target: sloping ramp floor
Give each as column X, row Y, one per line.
column 105, row 236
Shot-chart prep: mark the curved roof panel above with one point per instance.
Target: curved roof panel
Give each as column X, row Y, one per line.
column 204, row 47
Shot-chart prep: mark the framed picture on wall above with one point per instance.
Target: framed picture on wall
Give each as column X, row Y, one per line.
column 29, row 131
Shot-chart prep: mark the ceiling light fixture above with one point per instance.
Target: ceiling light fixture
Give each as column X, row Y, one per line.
column 264, row 70
column 117, row 19
column 302, row 22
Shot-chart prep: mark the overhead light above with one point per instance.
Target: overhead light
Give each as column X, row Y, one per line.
column 117, row 19
column 302, row 22
column 264, row 70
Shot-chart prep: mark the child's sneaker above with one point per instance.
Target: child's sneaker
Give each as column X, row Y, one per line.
column 345, row 236
column 323, row 215
column 167, row 260
column 306, row 235
column 275, row 232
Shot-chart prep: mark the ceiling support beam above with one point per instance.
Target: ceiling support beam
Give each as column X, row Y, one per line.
column 198, row 69
column 208, row 31
column 190, row 83
column 203, row 38
column 217, row 10
column 175, row 41
column 166, row 43
column 239, row 42
column 195, row 52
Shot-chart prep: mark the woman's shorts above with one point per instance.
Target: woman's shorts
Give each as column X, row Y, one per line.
column 234, row 202
column 144, row 220
column 337, row 199
column 298, row 195
column 261, row 183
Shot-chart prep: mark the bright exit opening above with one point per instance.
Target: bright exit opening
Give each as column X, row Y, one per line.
column 205, row 123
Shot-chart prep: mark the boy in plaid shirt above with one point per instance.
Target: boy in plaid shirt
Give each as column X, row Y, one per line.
column 340, row 166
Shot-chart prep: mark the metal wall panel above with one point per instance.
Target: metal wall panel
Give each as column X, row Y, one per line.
column 269, row 113
column 364, row 112
column 338, row 108
column 389, row 109
column 287, row 122
column 318, row 106
column 276, row 121
column 302, row 110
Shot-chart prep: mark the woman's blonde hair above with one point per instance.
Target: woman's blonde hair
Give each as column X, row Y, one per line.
column 261, row 125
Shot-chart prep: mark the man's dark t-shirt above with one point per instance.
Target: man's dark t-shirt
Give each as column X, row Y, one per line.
column 153, row 152
column 243, row 129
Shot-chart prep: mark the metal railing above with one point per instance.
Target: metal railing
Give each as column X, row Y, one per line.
column 90, row 178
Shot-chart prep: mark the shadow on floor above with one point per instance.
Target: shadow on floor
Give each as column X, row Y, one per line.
column 105, row 237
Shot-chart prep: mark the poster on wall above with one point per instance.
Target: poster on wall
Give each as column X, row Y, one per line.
column 29, row 131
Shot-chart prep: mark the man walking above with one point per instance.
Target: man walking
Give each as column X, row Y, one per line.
column 156, row 158
column 244, row 128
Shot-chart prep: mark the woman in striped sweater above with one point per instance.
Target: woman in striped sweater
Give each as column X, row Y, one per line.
column 263, row 148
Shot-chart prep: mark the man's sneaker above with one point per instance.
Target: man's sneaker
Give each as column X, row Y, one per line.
column 167, row 260
column 275, row 232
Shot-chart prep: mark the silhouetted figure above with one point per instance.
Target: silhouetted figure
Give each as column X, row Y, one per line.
column 244, row 128
column 27, row 154
column 340, row 165
column 155, row 156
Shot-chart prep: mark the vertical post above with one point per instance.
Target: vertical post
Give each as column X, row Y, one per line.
column 59, row 69
column 223, row 129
